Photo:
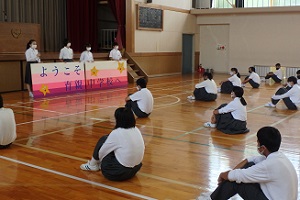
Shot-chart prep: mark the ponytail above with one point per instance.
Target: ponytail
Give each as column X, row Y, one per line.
column 238, row 75
column 239, row 92
column 243, row 101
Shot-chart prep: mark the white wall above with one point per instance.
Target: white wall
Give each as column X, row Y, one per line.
column 259, row 38
column 175, row 24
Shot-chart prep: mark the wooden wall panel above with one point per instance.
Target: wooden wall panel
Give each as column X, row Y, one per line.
column 14, row 36
column 10, row 76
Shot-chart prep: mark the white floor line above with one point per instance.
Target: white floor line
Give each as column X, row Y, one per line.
column 78, row 179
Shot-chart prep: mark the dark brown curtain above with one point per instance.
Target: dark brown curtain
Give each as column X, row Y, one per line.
column 50, row 14
column 82, row 23
column 118, row 8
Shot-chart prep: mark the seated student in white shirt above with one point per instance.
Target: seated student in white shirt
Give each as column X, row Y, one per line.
column 253, row 78
column 87, row 55
column 206, row 90
column 119, row 155
column 270, row 176
column 66, row 53
column 141, row 102
column 115, row 54
column 298, row 77
column 231, row 118
column 7, row 126
column 234, row 80
column 290, row 96
column 277, row 75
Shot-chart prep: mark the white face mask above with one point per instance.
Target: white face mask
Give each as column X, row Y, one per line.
column 116, row 47
column 260, row 152
column 138, row 88
column 231, row 73
column 289, row 84
column 69, row 44
column 232, row 95
column 88, row 48
column 34, row 46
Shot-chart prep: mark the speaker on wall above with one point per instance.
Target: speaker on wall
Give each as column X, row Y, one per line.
column 149, row 1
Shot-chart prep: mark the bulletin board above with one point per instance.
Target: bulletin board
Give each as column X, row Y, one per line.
column 149, row 18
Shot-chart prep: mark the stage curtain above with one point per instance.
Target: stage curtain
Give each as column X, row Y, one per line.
column 82, row 23
column 118, row 8
column 50, row 14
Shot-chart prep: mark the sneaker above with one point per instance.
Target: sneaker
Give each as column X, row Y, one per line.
column 270, row 104
column 204, row 196
column 209, row 125
column 31, row 95
column 191, row 97
column 88, row 167
column 219, row 90
column 262, row 79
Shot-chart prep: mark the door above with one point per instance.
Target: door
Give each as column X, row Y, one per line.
column 187, row 53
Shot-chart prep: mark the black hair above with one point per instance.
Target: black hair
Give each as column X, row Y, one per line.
column 66, row 41
column 141, row 82
column 1, row 101
column 239, row 92
column 269, row 137
column 116, row 44
column 277, row 65
column 236, row 71
column 29, row 43
column 298, row 72
column 88, row 45
column 292, row 79
column 124, row 118
column 208, row 75
column 252, row 69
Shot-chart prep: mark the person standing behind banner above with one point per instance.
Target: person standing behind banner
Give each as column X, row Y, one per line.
column 66, row 53
column 32, row 56
column 87, row 55
column 115, row 54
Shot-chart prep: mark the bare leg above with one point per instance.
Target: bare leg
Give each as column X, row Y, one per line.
column 213, row 119
column 28, row 87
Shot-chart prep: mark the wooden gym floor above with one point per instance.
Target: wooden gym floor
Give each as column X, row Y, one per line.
column 182, row 158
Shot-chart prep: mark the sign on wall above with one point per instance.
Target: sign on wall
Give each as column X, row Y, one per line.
column 57, row 78
column 149, row 18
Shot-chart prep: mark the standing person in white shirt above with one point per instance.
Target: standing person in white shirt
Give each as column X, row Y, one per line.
column 206, row 90
column 66, row 53
column 115, row 54
column 141, row 102
column 253, row 78
column 234, row 80
column 32, row 56
column 7, row 126
column 277, row 75
column 119, row 155
column 270, row 176
column 289, row 95
column 87, row 55
column 231, row 118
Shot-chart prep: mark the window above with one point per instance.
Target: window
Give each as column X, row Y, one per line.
column 255, row 3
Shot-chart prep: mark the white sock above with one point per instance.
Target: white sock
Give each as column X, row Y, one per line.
column 93, row 161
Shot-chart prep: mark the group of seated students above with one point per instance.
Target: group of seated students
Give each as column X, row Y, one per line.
column 231, row 118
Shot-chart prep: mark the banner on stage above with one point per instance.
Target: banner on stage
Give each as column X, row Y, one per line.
column 106, row 75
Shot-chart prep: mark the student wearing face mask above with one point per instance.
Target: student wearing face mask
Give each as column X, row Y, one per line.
column 269, row 176
column 141, row 102
column 253, row 78
column 233, row 80
column 115, row 54
column 32, row 56
column 290, row 96
column 87, row 55
column 66, row 53
column 231, row 118
column 206, row 90
column 277, row 75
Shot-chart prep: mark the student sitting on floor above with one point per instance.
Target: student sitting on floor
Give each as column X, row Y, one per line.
column 277, row 75
column 290, row 95
column 234, row 80
column 298, row 77
column 231, row 118
column 141, row 102
column 7, row 126
column 206, row 90
column 269, row 176
column 253, row 78
column 119, row 155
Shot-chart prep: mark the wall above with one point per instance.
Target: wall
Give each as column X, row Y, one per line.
column 262, row 36
column 159, row 52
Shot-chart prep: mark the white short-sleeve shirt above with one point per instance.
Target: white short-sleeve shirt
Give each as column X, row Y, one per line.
column 86, row 56
column 255, row 77
column 66, row 53
column 7, row 126
column 144, row 100
column 115, row 54
column 235, row 80
column 209, row 85
column 236, row 108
